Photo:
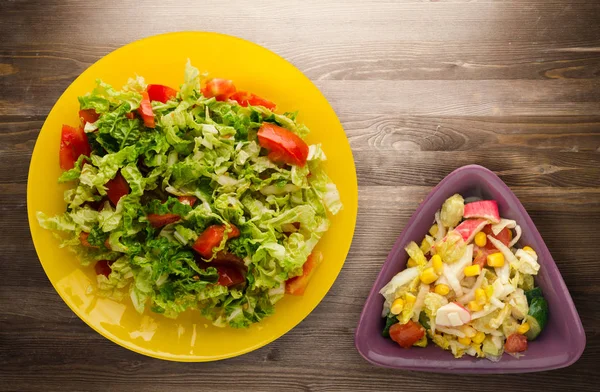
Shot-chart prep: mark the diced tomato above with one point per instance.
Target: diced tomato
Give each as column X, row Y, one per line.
column 229, row 276
column 297, row 285
column 102, row 267
column 211, row 238
column 481, row 255
column 504, row 236
column 221, row 89
column 73, row 143
column 158, row 92
column 130, row 115
column 515, row 343
column 283, row 145
column 230, row 267
column 245, row 98
column 407, row 334
column 145, row 110
column 117, row 188
column 83, row 237
column 88, row 116
column 158, row 220
column 189, row 200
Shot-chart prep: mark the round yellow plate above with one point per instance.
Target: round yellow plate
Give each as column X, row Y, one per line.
column 161, row 59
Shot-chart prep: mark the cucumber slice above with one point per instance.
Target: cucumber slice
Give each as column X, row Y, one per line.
column 537, row 317
column 533, row 293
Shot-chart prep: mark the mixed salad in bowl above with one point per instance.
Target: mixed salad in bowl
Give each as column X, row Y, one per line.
column 198, row 198
column 467, row 287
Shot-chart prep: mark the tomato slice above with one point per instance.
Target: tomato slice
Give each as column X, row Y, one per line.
column 283, row 145
column 130, row 115
column 117, row 188
column 297, row 285
column 504, row 236
column 158, row 220
column 158, row 92
column 83, row 237
column 73, row 144
column 189, row 200
column 211, row 238
column 145, row 110
column 515, row 343
column 407, row 334
column 88, row 116
column 221, row 89
column 245, row 98
column 102, row 267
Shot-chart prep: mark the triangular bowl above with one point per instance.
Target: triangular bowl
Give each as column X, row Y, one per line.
column 560, row 344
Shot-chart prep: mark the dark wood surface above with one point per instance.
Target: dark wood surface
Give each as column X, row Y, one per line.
column 421, row 87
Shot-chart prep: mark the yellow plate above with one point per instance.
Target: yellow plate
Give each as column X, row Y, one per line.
column 161, row 59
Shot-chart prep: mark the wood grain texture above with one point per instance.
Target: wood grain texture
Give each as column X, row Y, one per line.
column 421, row 87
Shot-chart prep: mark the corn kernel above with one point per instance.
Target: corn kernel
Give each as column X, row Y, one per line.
column 409, row 299
column 529, row 250
column 438, row 265
column 523, row 328
column 474, row 306
column 411, row 263
column 489, row 291
column 480, row 239
column 480, row 297
column 428, row 275
column 442, row 289
column 465, row 341
column 433, row 230
column 495, row 260
column 397, row 306
column 479, row 337
column 472, row 270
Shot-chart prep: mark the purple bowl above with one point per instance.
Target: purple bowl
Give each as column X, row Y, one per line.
column 559, row 345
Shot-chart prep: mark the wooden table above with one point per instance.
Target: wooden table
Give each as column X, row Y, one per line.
column 421, row 89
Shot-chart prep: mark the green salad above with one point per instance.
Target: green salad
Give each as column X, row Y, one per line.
column 198, row 198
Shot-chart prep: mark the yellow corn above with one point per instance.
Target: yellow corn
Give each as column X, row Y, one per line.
column 397, row 306
column 433, row 230
column 480, row 239
column 489, row 291
column 523, row 328
column 474, row 306
column 465, row 341
column 479, row 337
column 480, row 297
column 495, row 260
column 411, row 262
column 409, row 299
column 438, row 265
column 472, row 270
column 428, row 276
column 529, row 249
column 442, row 289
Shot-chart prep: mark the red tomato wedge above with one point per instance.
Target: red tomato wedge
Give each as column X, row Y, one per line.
column 145, row 110
column 297, row 285
column 407, row 334
column 504, row 236
column 245, row 98
column 283, row 145
column 160, row 220
column 231, row 268
column 189, row 200
column 130, row 115
column 102, row 267
column 73, row 144
column 88, row 116
column 229, row 276
column 515, row 343
column 211, row 238
column 158, row 92
column 117, row 188
column 83, row 237
column 221, row 89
